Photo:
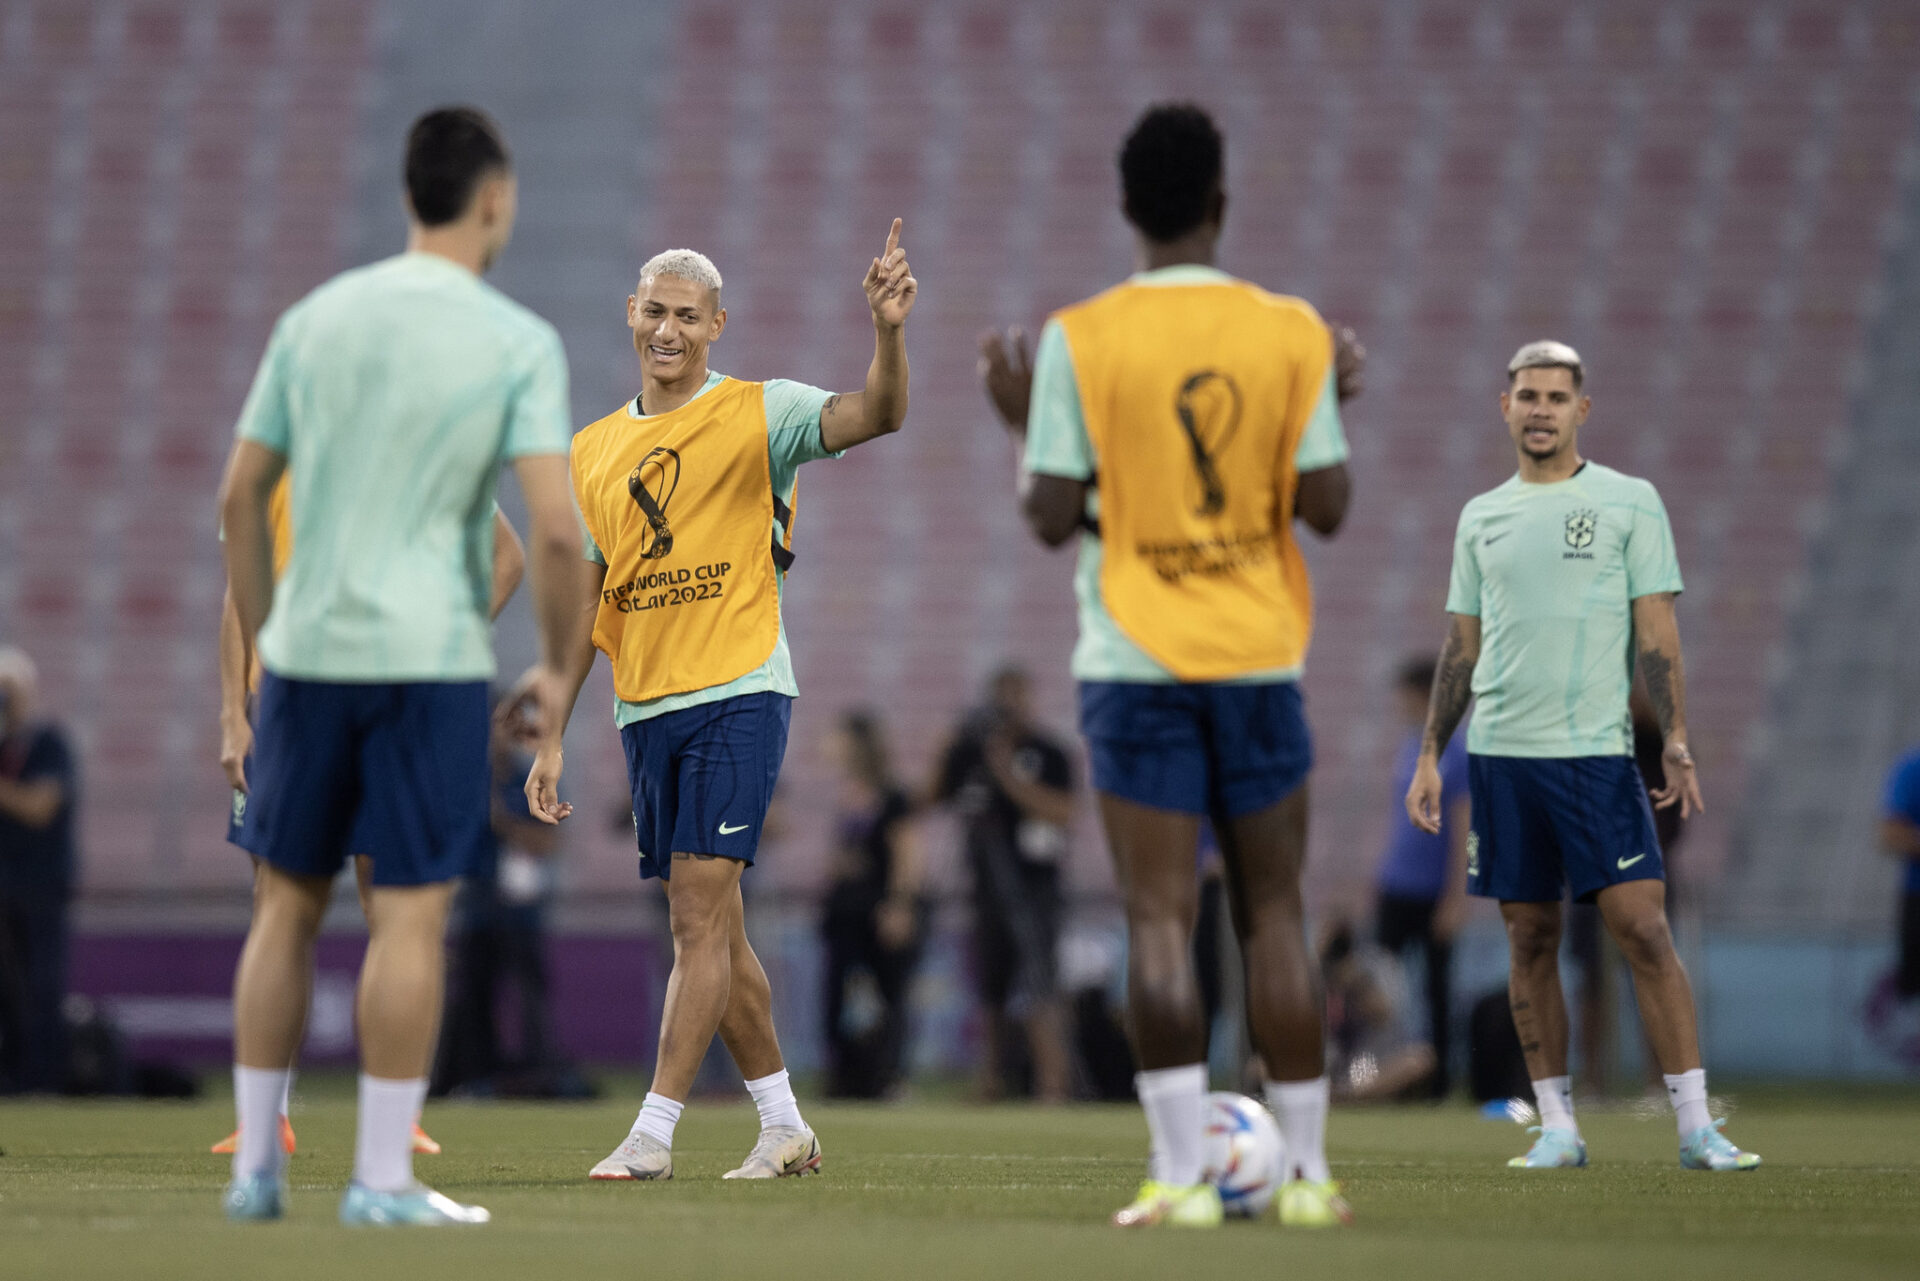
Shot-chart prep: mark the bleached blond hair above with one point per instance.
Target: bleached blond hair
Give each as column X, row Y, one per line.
column 1547, row 354
column 684, row 264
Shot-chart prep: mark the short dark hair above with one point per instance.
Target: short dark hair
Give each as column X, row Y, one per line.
column 1170, row 170
column 449, row 150
column 1417, row 672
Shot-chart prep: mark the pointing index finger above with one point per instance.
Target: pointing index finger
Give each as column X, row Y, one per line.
column 893, row 240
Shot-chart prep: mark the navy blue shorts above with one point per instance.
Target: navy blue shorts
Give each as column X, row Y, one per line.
column 398, row 772
column 242, row 808
column 702, row 778
column 1542, row 826
column 1215, row 749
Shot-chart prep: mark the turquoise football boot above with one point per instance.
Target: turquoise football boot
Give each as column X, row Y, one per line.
column 1553, row 1150
column 417, row 1206
column 1708, row 1149
column 259, row 1198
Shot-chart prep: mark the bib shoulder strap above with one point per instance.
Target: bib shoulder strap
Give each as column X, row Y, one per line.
column 782, row 554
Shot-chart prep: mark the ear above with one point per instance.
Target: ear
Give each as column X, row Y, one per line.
column 719, row 325
column 1586, row 403
column 633, row 310
column 1506, row 403
column 1217, row 208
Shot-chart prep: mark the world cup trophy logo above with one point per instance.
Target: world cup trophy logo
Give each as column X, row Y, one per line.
column 652, row 484
column 1208, row 408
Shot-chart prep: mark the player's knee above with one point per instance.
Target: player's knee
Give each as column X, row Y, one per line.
column 1533, row 938
column 1644, row 940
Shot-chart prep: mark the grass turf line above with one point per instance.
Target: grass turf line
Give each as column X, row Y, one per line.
column 127, row 1190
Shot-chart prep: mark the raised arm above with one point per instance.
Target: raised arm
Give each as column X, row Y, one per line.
column 1656, row 640
column 509, row 563
column 1452, row 691
column 857, row 417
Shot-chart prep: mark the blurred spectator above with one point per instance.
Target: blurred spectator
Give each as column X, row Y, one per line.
column 1373, row 1051
column 499, row 943
column 874, row 917
column 37, row 794
column 1422, row 883
column 1900, row 837
column 1012, row 786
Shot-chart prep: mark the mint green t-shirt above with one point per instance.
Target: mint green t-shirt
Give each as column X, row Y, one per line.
column 1058, row 445
column 395, row 391
column 1552, row 572
column 793, row 437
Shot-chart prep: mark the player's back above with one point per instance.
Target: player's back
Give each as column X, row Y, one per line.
column 400, row 388
column 1196, row 390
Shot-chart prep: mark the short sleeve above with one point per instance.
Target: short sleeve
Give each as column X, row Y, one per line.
column 1903, row 790
column 1463, row 588
column 264, row 418
column 793, row 423
column 1324, row 442
column 539, row 421
column 1652, row 565
column 588, row 548
column 1057, row 440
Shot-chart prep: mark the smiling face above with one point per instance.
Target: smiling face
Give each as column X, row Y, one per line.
column 673, row 321
column 1544, row 409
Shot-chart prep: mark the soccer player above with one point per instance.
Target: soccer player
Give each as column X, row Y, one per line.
column 1562, row 578
column 688, row 492
column 393, row 394
column 240, row 680
column 1201, row 412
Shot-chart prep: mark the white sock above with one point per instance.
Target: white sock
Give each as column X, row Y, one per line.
column 658, row 1115
column 773, row 1095
column 1175, row 1100
column 1688, row 1093
column 286, row 1095
column 1301, row 1109
column 1554, row 1095
column 383, row 1158
column 256, row 1112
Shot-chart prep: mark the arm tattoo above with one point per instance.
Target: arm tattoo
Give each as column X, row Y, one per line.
column 831, row 402
column 1662, row 675
column 1452, row 691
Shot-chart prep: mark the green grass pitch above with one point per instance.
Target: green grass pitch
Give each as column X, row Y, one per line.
column 126, row 1190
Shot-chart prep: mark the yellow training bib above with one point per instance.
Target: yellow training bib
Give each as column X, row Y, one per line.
column 681, row 506
column 1195, row 398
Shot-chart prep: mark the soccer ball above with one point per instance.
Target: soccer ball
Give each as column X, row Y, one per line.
column 1244, row 1154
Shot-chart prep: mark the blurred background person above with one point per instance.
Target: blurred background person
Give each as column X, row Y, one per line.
column 499, row 945
column 1421, row 888
column 1900, row 838
column 1374, row 1049
column 37, row 793
column 874, row 917
column 1012, row 786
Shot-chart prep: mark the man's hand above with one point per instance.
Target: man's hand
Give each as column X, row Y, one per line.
column 891, row 288
column 236, row 741
column 1683, row 785
column 1423, row 797
column 1006, row 370
column 543, row 786
column 1349, row 363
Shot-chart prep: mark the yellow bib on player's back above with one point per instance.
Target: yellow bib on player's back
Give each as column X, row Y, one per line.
column 1195, row 399
column 681, row 506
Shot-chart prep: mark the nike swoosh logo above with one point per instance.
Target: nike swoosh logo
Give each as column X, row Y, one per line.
column 1492, row 539
column 729, row 831
column 1622, row 863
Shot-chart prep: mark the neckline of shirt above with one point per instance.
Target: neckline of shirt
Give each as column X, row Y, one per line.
column 714, row 379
